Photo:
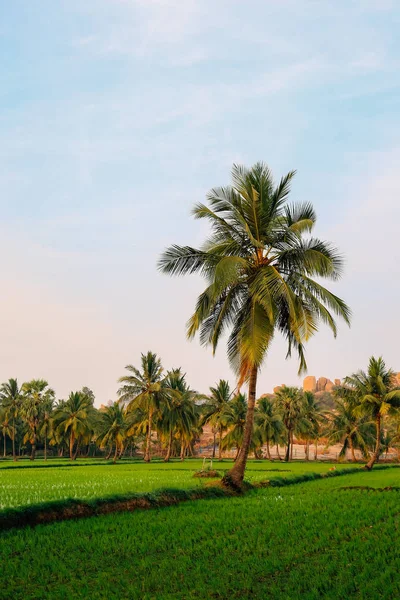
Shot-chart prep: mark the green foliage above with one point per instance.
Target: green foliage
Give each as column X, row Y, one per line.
column 310, row 540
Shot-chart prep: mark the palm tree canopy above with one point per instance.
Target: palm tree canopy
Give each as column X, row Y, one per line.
column 216, row 403
column 260, row 268
column 375, row 390
column 75, row 415
column 113, row 425
column 145, row 387
column 11, row 395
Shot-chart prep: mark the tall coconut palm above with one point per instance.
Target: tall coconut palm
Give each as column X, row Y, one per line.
column 36, row 395
column 309, row 425
column 47, row 423
column 260, row 271
column 234, row 419
column 11, row 399
column 178, row 415
column 74, row 418
column 377, row 396
column 112, row 428
column 6, row 428
column 215, row 409
column 268, row 422
column 349, row 429
column 144, row 390
column 289, row 400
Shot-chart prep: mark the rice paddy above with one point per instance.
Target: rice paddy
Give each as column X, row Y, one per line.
column 27, row 484
column 320, row 539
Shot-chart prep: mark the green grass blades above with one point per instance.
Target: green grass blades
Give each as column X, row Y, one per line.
column 27, row 484
column 306, row 541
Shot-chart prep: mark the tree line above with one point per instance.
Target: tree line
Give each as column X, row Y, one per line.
column 159, row 413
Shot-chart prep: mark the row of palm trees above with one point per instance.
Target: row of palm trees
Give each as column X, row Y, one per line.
column 159, row 411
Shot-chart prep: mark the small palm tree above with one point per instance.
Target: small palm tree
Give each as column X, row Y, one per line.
column 74, row 418
column 36, row 396
column 289, row 401
column 377, row 397
column 11, row 399
column 6, row 428
column 144, row 390
column 260, row 271
column 234, row 419
column 178, row 416
column 309, row 424
column 112, row 428
column 47, row 424
column 349, row 429
column 268, row 422
column 215, row 409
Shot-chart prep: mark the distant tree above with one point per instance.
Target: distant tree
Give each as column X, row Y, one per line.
column 350, row 430
column 289, row 400
column 36, row 396
column 377, row 395
column 144, row 390
column 6, row 428
column 178, row 413
column 268, row 422
column 11, row 399
column 74, row 418
column 260, row 271
column 112, row 428
column 214, row 410
column 89, row 394
column 234, row 419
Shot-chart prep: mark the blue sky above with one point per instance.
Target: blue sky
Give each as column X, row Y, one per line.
column 117, row 116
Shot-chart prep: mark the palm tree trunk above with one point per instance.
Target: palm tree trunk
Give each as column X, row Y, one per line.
column 183, row 450
column 268, row 451
column 316, row 450
column 147, row 456
column 115, row 453
column 71, row 445
column 214, row 443
column 45, row 447
column 234, row 477
column 168, row 455
column 33, row 450
column 291, row 446
column 220, row 443
column 308, row 450
column 277, row 452
column 353, row 456
column 287, row 455
column 13, row 440
column 5, row 444
column 377, row 451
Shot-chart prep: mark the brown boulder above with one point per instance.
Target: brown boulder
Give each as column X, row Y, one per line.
column 310, row 384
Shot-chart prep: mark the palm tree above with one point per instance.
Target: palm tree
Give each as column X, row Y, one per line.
column 144, row 390
column 74, row 418
column 36, row 395
column 112, row 428
column 11, row 398
column 289, row 400
column 309, row 425
column 47, row 424
column 234, row 419
column 377, row 396
column 178, row 415
column 349, row 429
column 260, row 273
column 214, row 411
column 6, row 428
column 268, row 422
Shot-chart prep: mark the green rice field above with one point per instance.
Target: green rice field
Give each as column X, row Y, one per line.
column 25, row 483
column 327, row 538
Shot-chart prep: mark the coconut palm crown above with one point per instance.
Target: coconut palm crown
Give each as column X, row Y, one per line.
column 260, row 264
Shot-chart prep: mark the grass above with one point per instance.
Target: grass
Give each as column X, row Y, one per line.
column 38, row 482
column 306, row 541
